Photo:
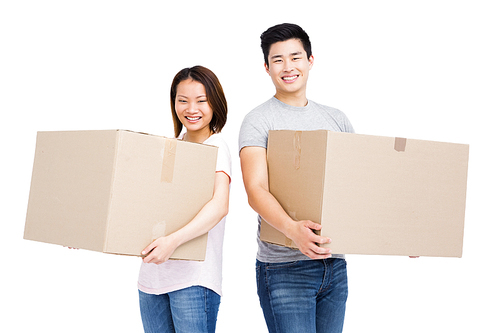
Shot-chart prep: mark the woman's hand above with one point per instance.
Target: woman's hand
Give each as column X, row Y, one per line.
column 212, row 213
column 160, row 250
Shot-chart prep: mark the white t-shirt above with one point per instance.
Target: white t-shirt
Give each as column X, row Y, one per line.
column 179, row 274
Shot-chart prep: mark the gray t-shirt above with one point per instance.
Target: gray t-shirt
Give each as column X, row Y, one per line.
column 276, row 115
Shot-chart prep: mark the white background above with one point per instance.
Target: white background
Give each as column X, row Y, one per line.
column 418, row 69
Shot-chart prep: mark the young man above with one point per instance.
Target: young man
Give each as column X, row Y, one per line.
column 301, row 290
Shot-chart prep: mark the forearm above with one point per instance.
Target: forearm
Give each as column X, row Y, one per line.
column 255, row 178
column 207, row 218
column 266, row 205
column 212, row 213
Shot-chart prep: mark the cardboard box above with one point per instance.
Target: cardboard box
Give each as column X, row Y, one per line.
column 371, row 194
column 115, row 191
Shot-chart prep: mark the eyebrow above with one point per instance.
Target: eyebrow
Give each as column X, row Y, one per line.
column 195, row 97
column 280, row 55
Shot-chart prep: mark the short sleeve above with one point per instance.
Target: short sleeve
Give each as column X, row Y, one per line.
column 223, row 154
column 253, row 131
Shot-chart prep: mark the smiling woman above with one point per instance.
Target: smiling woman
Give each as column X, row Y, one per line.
column 184, row 296
column 193, row 111
column 195, row 91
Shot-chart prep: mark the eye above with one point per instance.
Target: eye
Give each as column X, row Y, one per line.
column 202, row 101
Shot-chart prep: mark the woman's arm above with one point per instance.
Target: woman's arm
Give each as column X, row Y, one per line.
column 212, row 213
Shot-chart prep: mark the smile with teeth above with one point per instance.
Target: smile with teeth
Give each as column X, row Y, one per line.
column 290, row 78
column 193, row 118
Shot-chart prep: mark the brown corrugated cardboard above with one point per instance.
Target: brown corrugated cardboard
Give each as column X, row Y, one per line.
column 115, row 191
column 371, row 194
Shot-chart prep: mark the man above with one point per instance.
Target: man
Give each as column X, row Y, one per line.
column 301, row 290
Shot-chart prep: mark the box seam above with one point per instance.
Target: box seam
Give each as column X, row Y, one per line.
column 110, row 200
column 323, row 177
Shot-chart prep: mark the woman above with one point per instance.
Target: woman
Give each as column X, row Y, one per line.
column 184, row 296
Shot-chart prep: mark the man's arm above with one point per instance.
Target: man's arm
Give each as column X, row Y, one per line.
column 255, row 178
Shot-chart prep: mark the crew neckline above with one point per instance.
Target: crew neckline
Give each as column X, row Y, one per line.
column 293, row 108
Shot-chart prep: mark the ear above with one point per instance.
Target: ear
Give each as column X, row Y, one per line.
column 267, row 68
column 311, row 62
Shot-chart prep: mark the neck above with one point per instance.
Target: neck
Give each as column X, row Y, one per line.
column 197, row 137
column 299, row 100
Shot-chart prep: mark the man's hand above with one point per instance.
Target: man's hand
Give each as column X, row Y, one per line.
column 302, row 233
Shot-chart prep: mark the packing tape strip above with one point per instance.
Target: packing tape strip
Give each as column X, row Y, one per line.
column 167, row 169
column 297, row 138
column 400, row 144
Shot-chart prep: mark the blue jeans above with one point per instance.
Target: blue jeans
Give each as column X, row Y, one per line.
column 303, row 296
column 189, row 310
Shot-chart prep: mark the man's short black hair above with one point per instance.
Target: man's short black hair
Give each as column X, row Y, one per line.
column 283, row 32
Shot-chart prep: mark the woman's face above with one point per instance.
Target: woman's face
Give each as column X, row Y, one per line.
column 192, row 108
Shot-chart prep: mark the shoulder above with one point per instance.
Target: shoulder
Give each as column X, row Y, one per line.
column 262, row 117
column 223, row 154
column 256, row 124
column 215, row 140
column 218, row 141
column 328, row 109
column 261, row 111
column 336, row 116
column 264, row 106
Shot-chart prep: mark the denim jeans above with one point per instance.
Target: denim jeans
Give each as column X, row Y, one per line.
column 189, row 310
column 303, row 296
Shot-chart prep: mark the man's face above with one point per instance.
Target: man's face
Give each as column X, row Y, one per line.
column 289, row 67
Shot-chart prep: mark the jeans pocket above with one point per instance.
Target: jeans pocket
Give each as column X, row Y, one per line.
column 281, row 265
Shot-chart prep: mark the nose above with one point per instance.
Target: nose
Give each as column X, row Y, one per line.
column 288, row 66
column 191, row 107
